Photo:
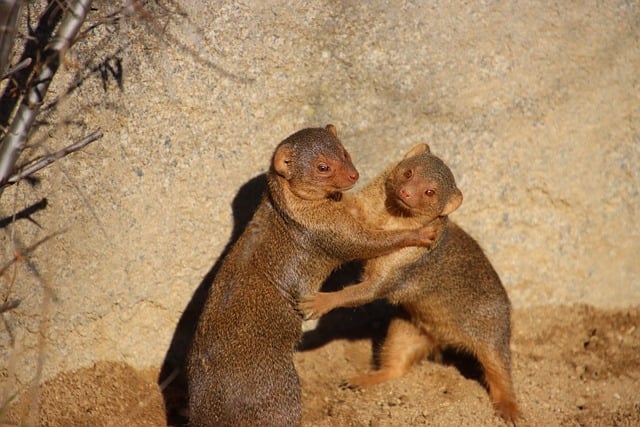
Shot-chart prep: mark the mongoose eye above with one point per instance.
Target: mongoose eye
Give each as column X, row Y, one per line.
column 408, row 173
column 323, row 167
column 430, row 192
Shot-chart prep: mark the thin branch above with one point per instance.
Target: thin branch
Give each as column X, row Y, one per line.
column 20, row 66
column 16, row 137
column 35, row 43
column 48, row 296
column 29, row 249
column 9, row 305
column 85, row 200
column 9, row 13
column 177, row 43
column 45, row 161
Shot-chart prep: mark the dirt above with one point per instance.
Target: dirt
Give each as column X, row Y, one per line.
column 572, row 365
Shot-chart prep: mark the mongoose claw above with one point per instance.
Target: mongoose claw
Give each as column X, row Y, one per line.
column 316, row 305
column 301, row 313
column 305, row 307
column 346, row 385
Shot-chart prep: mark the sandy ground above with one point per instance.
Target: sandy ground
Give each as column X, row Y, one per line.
column 572, row 366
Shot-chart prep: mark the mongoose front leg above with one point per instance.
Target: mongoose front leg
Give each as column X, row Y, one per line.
column 369, row 243
column 315, row 305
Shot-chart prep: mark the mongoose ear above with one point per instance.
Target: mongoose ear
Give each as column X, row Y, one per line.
column 282, row 162
column 332, row 129
column 454, row 203
column 418, row 149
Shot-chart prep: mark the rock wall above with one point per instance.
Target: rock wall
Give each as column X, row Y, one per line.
column 534, row 105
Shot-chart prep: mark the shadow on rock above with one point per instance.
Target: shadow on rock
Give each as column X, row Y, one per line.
column 371, row 322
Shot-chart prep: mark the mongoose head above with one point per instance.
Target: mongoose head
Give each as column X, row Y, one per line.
column 314, row 165
column 421, row 185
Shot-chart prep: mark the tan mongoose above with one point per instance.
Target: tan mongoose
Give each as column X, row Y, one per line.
column 451, row 295
column 240, row 367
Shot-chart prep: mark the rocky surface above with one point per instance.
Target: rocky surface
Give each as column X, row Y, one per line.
column 535, row 106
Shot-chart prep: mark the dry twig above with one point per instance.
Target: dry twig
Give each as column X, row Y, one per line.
column 16, row 136
column 42, row 162
column 9, row 305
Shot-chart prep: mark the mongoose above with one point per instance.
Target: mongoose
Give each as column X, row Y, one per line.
column 450, row 295
column 240, row 367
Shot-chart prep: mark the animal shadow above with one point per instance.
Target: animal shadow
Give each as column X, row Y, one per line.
column 172, row 379
column 369, row 321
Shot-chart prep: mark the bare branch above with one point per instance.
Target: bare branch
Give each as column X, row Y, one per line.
column 27, row 251
column 9, row 13
column 36, row 40
column 9, row 305
column 16, row 137
column 42, row 162
column 20, row 66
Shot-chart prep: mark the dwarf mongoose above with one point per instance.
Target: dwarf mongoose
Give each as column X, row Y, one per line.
column 240, row 367
column 451, row 295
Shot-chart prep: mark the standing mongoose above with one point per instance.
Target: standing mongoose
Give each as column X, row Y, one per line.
column 240, row 367
column 450, row 295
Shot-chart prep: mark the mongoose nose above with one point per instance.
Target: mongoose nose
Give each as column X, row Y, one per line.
column 354, row 176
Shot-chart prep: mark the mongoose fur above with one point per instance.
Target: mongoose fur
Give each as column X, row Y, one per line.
column 240, row 367
column 451, row 295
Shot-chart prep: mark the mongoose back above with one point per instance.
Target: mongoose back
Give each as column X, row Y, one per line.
column 240, row 367
column 451, row 295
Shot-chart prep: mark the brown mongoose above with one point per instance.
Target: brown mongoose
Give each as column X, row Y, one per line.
column 451, row 295
column 240, row 367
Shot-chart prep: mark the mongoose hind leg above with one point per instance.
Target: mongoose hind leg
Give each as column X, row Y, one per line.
column 404, row 345
column 497, row 375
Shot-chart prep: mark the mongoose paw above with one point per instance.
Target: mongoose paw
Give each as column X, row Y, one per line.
column 427, row 235
column 372, row 378
column 307, row 313
column 509, row 412
column 347, row 385
column 314, row 306
column 305, row 307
